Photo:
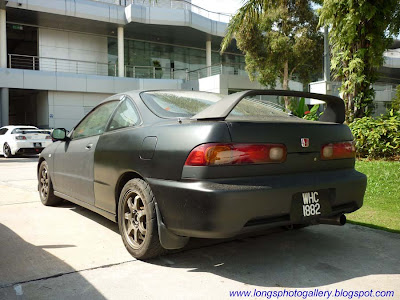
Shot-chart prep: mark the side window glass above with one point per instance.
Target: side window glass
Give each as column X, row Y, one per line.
column 95, row 122
column 125, row 116
column 3, row 131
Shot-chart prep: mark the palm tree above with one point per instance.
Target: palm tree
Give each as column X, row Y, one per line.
column 279, row 38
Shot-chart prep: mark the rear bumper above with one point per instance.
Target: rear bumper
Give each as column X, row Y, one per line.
column 29, row 146
column 223, row 208
column 29, row 151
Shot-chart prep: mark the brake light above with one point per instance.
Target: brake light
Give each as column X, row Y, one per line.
column 20, row 137
column 236, row 154
column 338, row 151
column 48, row 137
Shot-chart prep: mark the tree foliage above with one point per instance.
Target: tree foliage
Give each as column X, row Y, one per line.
column 377, row 137
column 396, row 100
column 360, row 32
column 279, row 39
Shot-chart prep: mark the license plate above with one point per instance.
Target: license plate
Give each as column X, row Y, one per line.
column 37, row 145
column 311, row 204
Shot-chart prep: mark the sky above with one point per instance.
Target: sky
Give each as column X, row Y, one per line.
column 224, row 6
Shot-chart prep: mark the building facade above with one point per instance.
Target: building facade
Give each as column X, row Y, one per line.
column 60, row 58
column 385, row 87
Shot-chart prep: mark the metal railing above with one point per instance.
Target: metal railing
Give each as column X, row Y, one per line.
column 217, row 69
column 175, row 4
column 28, row 62
column 155, row 72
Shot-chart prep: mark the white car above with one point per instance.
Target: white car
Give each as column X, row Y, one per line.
column 23, row 139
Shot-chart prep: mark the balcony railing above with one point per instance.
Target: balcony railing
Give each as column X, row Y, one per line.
column 217, row 69
column 155, row 72
column 28, row 62
column 175, row 4
column 16, row 61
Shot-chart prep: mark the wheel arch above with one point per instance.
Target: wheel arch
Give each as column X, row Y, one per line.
column 41, row 159
column 167, row 239
column 122, row 180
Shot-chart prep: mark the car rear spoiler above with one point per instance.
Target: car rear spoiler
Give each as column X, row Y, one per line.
column 27, row 131
column 334, row 111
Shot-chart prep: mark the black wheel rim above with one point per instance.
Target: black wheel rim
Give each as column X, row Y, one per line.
column 7, row 150
column 134, row 220
column 44, row 183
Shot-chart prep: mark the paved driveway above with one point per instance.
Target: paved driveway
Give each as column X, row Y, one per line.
column 68, row 252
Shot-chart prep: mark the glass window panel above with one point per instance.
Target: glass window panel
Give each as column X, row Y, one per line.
column 125, row 116
column 95, row 122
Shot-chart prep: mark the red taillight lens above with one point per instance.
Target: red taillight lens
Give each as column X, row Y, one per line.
column 338, row 151
column 48, row 137
column 20, row 137
column 236, row 154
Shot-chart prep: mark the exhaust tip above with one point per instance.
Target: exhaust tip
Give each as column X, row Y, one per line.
column 342, row 219
column 338, row 220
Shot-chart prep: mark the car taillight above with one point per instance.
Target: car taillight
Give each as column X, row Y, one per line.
column 48, row 137
column 20, row 137
column 236, row 154
column 338, row 150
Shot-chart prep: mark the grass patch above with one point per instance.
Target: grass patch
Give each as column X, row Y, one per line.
column 381, row 207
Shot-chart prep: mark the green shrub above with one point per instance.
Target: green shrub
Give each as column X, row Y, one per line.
column 377, row 137
column 300, row 109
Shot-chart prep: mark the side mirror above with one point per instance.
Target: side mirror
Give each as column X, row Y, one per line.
column 59, row 134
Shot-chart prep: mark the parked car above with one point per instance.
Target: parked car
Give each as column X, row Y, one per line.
column 170, row 165
column 23, row 139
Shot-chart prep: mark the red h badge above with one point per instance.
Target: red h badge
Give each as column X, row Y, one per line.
column 305, row 142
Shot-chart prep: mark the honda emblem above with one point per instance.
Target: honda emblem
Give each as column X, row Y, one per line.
column 305, row 142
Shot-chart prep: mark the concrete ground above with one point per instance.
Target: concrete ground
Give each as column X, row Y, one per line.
column 68, row 252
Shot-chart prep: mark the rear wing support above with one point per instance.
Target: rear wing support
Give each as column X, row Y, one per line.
column 334, row 111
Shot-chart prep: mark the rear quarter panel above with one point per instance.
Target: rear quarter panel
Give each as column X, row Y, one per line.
column 119, row 152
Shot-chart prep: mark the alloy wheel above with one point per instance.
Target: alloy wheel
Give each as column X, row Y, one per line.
column 134, row 220
column 7, row 150
column 44, row 183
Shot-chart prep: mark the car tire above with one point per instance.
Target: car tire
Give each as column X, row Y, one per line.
column 46, row 190
column 137, row 220
column 7, row 151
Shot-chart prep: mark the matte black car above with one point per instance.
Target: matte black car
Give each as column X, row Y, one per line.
column 170, row 165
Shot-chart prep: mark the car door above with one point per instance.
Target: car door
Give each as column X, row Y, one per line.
column 114, row 153
column 73, row 159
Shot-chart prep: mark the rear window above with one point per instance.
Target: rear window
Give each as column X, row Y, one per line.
column 258, row 108
column 179, row 104
column 188, row 104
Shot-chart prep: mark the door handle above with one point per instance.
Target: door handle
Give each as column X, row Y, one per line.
column 89, row 146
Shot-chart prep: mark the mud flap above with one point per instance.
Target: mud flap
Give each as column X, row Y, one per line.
column 168, row 239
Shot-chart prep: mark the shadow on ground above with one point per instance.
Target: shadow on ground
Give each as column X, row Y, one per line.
column 310, row 257
column 13, row 249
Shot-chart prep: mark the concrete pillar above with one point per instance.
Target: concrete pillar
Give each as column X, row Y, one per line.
column 3, row 39
column 327, row 57
column 4, row 106
column 121, row 57
column 208, row 57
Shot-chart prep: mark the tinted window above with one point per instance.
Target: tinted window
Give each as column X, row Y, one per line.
column 188, row 103
column 257, row 108
column 3, row 131
column 124, row 116
column 179, row 104
column 95, row 122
